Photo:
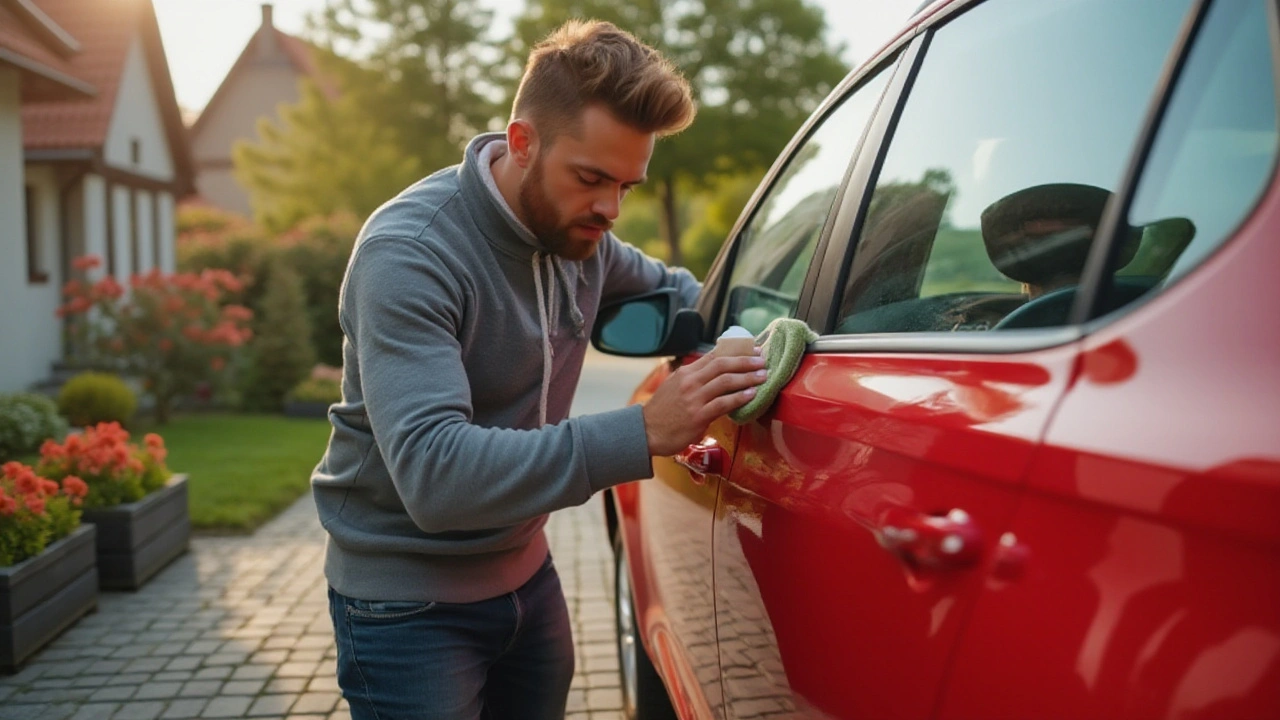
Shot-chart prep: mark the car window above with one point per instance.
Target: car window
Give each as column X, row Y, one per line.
column 1016, row 131
column 777, row 244
column 1214, row 152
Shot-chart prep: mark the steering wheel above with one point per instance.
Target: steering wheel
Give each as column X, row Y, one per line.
column 1052, row 309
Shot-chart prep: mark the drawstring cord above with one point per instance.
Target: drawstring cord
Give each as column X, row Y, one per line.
column 548, row 312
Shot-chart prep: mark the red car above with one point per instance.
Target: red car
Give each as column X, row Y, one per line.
column 1031, row 467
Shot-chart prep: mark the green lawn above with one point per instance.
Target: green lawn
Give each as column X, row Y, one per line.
column 243, row 469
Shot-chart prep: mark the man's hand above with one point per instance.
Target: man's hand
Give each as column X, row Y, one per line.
column 686, row 402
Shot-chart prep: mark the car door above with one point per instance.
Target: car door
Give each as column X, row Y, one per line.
column 770, row 255
column 862, row 510
column 1150, row 535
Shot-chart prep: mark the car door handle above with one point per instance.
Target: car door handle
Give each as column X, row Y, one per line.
column 702, row 459
column 931, row 542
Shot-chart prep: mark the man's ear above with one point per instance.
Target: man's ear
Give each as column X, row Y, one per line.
column 522, row 142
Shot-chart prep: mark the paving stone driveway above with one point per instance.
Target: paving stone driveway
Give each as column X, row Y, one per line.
column 239, row 628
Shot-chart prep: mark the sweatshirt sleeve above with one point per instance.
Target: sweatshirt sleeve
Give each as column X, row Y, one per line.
column 402, row 308
column 628, row 271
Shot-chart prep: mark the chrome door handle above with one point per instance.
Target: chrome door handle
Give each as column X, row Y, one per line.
column 931, row 542
column 703, row 459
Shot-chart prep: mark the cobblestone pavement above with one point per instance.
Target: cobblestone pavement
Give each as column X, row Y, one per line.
column 239, row 627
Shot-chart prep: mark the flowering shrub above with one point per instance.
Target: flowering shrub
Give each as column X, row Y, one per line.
column 35, row 511
column 26, row 420
column 172, row 331
column 115, row 470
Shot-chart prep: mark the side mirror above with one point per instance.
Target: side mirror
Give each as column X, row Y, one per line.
column 648, row 325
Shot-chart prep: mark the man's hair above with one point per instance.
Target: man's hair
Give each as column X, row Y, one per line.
column 594, row 63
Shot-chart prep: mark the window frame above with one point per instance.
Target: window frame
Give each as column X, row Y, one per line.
column 712, row 302
column 1095, row 282
column 841, row 250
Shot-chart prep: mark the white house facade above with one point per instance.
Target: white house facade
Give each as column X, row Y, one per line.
column 95, row 172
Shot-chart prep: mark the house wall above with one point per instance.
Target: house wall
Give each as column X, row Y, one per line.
column 30, row 336
column 255, row 91
column 119, row 199
column 92, row 217
column 137, row 116
column 168, row 231
column 146, row 229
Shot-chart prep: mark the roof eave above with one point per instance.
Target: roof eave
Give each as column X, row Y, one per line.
column 77, row 89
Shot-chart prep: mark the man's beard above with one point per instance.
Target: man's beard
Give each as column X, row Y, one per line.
column 544, row 221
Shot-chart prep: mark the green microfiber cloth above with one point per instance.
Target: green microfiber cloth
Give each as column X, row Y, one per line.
column 783, row 345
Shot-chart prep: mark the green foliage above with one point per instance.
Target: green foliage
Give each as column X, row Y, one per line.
column 93, row 397
column 281, row 354
column 717, row 211
column 324, row 155
column 424, row 74
column 24, row 534
column 210, row 239
column 26, row 420
column 322, row 390
column 318, row 250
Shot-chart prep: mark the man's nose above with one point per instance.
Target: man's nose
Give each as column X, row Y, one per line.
column 608, row 203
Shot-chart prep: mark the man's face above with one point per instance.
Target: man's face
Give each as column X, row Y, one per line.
column 572, row 191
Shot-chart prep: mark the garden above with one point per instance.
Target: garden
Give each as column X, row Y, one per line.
column 194, row 401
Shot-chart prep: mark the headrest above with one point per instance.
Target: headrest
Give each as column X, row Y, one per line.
column 1043, row 233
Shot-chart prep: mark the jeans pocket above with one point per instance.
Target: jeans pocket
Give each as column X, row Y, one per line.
column 386, row 609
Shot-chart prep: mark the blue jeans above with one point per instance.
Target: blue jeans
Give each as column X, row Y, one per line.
column 506, row 657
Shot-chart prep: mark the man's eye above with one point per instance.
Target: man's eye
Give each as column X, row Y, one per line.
column 585, row 180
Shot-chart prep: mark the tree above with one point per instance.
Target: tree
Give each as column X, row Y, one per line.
column 281, row 354
column 423, row 69
column 758, row 68
column 324, row 156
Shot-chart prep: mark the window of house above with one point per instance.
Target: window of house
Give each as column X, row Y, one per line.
column 36, row 272
column 777, row 244
column 1016, row 132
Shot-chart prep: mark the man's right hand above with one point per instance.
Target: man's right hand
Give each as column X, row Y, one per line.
column 685, row 403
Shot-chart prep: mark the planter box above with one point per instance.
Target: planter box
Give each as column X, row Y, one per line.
column 136, row 540
column 306, row 409
column 43, row 595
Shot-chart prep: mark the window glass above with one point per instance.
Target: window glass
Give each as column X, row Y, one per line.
column 1016, row 132
column 776, row 246
column 1213, row 154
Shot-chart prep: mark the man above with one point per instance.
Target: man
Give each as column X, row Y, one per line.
column 466, row 308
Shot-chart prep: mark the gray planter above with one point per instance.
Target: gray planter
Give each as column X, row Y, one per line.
column 136, row 540
column 43, row 595
column 306, row 409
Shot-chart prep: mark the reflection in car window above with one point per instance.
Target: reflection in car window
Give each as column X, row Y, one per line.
column 776, row 246
column 1016, row 132
column 1215, row 149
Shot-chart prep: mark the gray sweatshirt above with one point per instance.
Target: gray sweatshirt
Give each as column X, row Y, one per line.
column 464, row 344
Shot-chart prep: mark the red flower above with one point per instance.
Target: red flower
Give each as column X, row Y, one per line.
column 86, row 262
column 35, row 503
column 74, row 487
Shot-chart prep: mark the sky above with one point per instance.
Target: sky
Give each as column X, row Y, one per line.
column 202, row 38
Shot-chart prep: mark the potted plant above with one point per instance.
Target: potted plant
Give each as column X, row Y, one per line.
column 138, row 506
column 48, row 570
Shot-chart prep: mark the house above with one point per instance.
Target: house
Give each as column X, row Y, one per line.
column 93, row 157
column 267, row 74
